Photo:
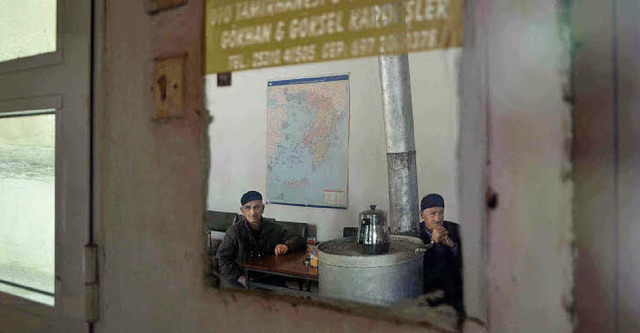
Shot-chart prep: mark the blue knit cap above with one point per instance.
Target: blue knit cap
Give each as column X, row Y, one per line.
column 250, row 196
column 431, row 200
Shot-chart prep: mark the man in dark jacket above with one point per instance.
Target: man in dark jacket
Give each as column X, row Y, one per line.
column 443, row 259
column 252, row 237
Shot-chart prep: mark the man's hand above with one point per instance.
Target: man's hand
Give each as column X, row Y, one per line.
column 281, row 249
column 440, row 235
column 242, row 280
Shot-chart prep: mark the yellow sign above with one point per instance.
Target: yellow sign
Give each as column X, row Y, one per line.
column 250, row 34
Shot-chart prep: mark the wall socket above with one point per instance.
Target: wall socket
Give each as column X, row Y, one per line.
column 168, row 87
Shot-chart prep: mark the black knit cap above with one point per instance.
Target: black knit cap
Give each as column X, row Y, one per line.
column 431, row 200
column 250, row 196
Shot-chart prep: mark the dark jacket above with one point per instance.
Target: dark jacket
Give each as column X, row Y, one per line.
column 239, row 245
column 443, row 266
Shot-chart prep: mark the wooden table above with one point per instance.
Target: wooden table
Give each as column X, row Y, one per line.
column 290, row 265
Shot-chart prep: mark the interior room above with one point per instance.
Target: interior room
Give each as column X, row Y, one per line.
column 238, row 135
column 110, row 166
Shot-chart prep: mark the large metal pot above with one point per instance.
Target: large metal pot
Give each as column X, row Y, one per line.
column 346, row 272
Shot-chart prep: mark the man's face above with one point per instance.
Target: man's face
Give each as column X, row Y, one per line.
column 253, row 210
column 433, row 216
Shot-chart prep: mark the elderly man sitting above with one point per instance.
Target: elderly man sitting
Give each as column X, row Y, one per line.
column 443, row 260
column 252, row 237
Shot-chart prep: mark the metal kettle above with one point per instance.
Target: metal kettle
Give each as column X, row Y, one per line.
column 374, row 233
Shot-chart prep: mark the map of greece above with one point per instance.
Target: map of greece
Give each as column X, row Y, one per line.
column 307, row 141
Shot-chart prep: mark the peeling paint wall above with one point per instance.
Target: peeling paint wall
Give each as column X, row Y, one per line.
column 151, row 197
column 628, row 182
column 150, row 182
column 529, row 277
column 594, row 166
column 607, row 160
column 152, row 192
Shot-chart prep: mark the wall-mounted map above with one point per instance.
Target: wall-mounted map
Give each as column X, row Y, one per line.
column 308, row 141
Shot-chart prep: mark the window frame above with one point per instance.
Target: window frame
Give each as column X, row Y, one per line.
column 60, row 80
column 19, row 107
column 41, row 59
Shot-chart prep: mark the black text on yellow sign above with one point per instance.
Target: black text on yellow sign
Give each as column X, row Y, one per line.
column 250, row 34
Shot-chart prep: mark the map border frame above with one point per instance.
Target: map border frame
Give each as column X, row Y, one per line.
column 310, row 80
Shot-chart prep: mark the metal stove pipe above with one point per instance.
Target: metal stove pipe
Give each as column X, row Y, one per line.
column 401, row 150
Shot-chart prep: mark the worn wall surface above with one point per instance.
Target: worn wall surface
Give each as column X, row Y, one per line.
column 151, row 197
column 238, row 137
column 529, row 277
column 152, row 185
column 628, row 182
column 607, row 161
column 594, row 170
column 150, row 180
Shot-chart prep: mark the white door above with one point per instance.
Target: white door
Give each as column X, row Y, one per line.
column 45, row 107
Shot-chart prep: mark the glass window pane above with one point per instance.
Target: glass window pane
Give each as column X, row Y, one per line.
column 27, row 205
column 27, row 28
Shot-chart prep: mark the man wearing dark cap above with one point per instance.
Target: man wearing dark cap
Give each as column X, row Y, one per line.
column 442, row 260
column 252, row 237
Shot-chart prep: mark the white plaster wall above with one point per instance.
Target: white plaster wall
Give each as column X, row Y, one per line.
column 150, row 198
column 529, row 270
column 238, row 137
column 150, row 185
